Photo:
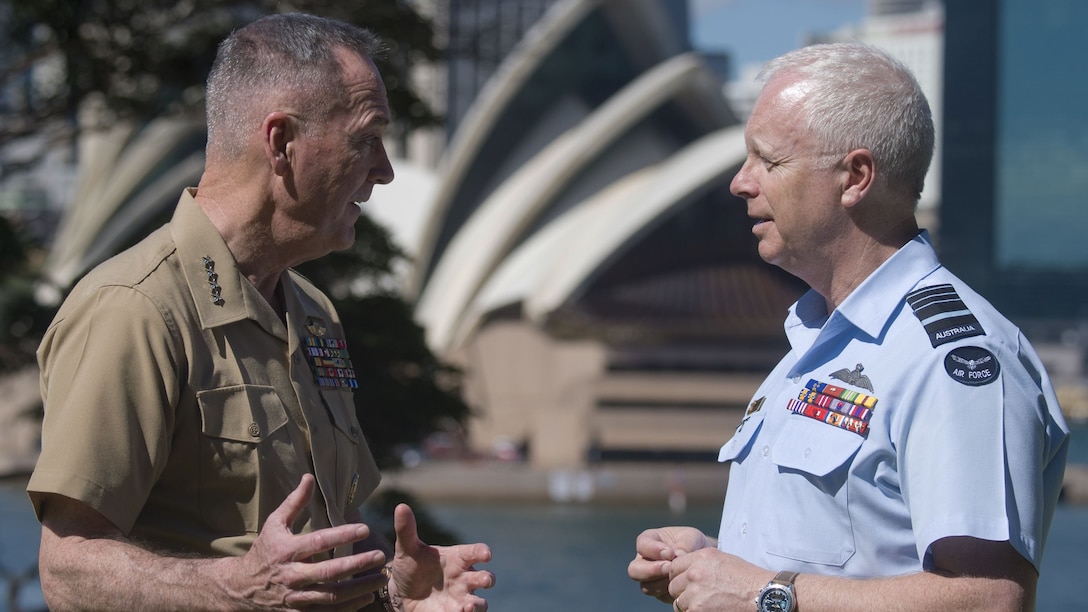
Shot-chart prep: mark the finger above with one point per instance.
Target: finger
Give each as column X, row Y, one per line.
column 324, row 540
column 404, row 523
column 656, row 588
column 284, row 516
column 678, row 566
column 468, row 555
column 346, row 595
column 644, row 570
column 354, row 572
column 481, row 580
column 650, row 546
column 475, row 604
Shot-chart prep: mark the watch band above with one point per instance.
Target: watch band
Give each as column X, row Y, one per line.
column 386, row 600
column 785, row 577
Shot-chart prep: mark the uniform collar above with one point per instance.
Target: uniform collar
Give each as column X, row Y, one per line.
column 207, row 262
column 875, row 301
column 871, row 306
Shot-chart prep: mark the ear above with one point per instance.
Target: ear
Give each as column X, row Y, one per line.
column 859, row 175
column 279, row 131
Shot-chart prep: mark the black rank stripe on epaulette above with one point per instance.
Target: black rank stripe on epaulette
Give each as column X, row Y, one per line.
column 943, row 314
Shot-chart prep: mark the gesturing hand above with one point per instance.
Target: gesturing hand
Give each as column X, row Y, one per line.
column 278, row 571
column 436, row 578
column 654, row 551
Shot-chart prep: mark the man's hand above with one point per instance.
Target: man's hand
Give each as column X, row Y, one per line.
column 436, row 578
column 86, row 562
column 711, row 580
column 654, row 551
column 278, row 571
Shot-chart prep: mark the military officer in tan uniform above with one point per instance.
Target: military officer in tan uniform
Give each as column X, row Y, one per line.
column 200, row 448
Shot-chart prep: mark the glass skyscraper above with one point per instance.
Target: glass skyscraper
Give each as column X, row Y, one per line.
column 1014, row 205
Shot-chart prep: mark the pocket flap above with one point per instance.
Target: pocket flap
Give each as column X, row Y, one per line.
column 813, row 447
column 742, row 439
column 243, row 413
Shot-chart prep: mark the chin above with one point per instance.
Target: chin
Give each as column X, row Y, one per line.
column 345, row 242
column 769, row 254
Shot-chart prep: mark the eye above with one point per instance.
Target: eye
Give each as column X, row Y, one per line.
column 365, row 142
column 769, row 164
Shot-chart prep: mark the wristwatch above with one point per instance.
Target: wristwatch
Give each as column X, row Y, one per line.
column 778, row 595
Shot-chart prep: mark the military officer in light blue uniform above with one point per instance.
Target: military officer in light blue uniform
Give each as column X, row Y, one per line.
column 908, row 451
column 951, row 425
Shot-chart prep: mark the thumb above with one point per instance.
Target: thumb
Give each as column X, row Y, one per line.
column 404, row 523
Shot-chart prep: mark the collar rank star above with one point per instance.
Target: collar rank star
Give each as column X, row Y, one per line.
column 328, row 358
column 213, row 281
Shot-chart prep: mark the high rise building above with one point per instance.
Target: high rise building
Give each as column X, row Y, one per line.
column 1014, row 206
column 1014, row 211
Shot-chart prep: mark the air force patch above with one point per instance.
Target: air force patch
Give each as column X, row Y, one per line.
column 972, row 365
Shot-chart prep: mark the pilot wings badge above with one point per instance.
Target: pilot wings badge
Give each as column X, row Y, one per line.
column 854, row 377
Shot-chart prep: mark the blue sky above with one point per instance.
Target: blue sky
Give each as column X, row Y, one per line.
column 754, row 31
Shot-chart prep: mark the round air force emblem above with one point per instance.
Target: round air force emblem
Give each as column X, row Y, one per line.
column 972, row 365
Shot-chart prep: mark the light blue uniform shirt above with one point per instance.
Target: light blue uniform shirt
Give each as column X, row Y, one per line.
column 965, row 437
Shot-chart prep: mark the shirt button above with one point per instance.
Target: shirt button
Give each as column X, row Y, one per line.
column 796, row 378
column 766, row 451
column 254, row 430
column 744, row 528
column 808, row 453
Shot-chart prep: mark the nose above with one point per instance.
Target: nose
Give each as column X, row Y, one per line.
column 381, row 172
column 742, row 185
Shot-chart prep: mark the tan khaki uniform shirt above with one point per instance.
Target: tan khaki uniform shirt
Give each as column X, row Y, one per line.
column 185, row 414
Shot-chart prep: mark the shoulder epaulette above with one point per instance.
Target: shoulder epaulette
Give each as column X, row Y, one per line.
column 943, row 314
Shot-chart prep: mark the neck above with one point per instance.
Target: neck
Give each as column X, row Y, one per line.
column 245, row 225
column 864, row 256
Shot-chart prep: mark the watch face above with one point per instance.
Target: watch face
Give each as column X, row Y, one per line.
column 775, row 599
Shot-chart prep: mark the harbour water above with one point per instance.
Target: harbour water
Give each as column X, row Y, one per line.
column 570, row 557
column 574, row 556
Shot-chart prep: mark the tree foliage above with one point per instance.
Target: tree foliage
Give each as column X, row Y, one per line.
column 140, row 59
column 144, row 58
column 404, row 391
column 22, row 319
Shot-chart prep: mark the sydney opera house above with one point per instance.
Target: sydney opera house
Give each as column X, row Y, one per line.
column 575, row 249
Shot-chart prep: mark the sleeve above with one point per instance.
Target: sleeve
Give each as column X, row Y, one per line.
column 110, row 384
column 973, row 448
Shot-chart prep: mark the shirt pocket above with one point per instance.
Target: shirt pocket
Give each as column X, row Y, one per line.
column 811, row 521
column 243, row 436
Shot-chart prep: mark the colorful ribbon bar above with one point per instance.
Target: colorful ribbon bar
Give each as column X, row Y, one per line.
column 830, row 417
column 853, row 397
column 831, row 403
column 330, row 363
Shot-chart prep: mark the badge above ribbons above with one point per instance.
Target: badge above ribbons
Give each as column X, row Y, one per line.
column 328, row 358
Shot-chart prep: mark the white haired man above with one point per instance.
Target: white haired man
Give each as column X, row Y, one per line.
column 907, row 453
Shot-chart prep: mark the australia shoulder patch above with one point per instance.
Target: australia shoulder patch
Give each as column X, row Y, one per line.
column 972, row 365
